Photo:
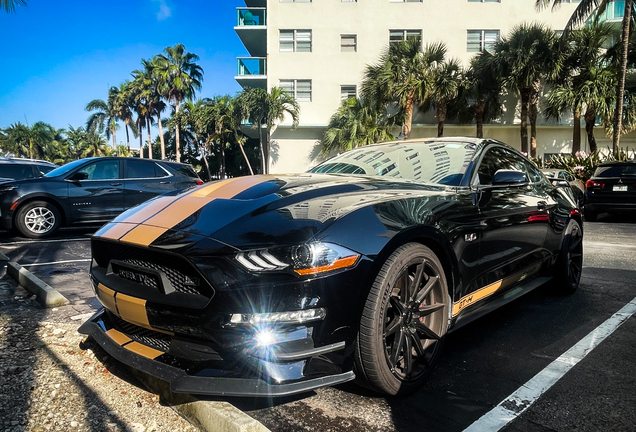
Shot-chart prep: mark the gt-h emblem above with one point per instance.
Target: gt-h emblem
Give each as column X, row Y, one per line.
column 470, row 237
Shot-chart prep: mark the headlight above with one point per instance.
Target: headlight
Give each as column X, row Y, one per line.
column 305, row 259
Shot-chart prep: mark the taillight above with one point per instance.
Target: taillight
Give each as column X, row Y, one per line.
column 590, row 184
column 199, row 182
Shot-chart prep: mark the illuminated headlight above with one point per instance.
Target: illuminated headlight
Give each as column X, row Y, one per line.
column 292, row 317
column 305, row 259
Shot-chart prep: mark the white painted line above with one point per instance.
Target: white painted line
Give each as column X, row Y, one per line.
column 515, row 404
column 610, row 245
column 56, row 262
column 44, row 241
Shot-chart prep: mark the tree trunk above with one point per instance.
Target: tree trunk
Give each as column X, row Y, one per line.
column 149, row 139
column 176, row 135
column 534, row 111
column 246, row 160
column 620, row 88
column 408, row 118
column 260, row 144
column 141, row 143
column 163, row 144
column 268, row 149
column 114, row 139
column 127, row 138
column 576, row 131
column 441, row 118
column 590, row 119
column 479, row 117
column 205, row 159
column 525, row 102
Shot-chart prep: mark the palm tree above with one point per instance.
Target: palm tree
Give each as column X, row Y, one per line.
column 253, row 105
column 580, row 14
column 444, row 87
column 355, row 124
column 523, row 58
column 105, row 117
column 94, row 145
column 9, row 5
column 179, row 76
column 402, row 76
column 124, row 103
column 28, row 141
column 586, row 83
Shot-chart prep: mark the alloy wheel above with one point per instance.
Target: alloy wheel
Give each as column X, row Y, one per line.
column 39, row 220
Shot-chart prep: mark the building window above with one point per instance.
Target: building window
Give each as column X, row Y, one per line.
column 295, row 40
column 400, row 35
column 298, row 89
column 348, row 91
column 482, row 40
column 348, row 43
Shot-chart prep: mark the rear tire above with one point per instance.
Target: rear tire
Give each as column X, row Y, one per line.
column 569, row 266
column 37, row 219
column 404, row 322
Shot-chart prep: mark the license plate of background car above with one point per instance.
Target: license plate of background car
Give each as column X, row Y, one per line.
column 620, row 188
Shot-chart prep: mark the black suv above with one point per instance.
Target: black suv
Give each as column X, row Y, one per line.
column 611, row 189
column 92, row 190
column 20, row 169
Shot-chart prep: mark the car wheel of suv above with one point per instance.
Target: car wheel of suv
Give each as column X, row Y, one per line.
column 569, row 266
column 37, row 219
column 404, row 322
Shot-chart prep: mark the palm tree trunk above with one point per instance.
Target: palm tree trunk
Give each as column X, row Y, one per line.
column 260, row 144
column 246, row 160
column 525, row 101
column 127, row 137
column 141, row 143
column 114, row 138
column 176, row 135
column 205, row 159
column 590, row 119
column 576, row 131
column 222, row 160
column 408, row 118
column 441, row 118
column 479, row 118
column 620, row 89
column 149, row 139
column 534, row 111
column 163, row 145
column 268, row 148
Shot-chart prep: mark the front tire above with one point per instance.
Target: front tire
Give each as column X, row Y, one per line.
column 569, row 266
column 37, row 219
column 404, row 322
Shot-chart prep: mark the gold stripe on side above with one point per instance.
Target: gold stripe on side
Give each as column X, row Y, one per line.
column 233, row 187
column 107, row 297
column 114, row 231
column 143, row 350
column 118, row 336
column 133, row 309
column 474, row 297
column 143, row 235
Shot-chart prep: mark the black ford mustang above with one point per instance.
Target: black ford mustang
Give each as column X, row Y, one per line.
column 278, row 284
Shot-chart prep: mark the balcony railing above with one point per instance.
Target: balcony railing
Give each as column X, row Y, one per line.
column 252, row 66
column 250, row 16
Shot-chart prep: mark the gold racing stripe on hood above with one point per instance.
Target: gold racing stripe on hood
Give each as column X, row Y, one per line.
column 143, row 350
column 133, row 310
column 114, row 230
column 118, row 336
column 186, row 206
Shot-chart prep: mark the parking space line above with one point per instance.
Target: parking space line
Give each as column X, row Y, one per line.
column 515, row 404
column 56, row 262
column 44, row 241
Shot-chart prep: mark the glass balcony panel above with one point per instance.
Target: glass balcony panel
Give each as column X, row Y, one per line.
column 252, row 66
column 251, row 16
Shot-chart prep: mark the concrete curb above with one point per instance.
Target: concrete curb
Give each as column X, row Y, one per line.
column 209, row 416
column 46, row 295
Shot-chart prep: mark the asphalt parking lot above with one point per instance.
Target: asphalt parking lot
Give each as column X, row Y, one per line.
column 483, row 363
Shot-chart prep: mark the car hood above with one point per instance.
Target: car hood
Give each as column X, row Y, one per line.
column 256, row 211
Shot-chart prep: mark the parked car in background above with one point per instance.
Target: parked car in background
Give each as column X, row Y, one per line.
column 577, row 186
column 271, row 285
column 20, row 169
column 92, row 190
column 612, row 189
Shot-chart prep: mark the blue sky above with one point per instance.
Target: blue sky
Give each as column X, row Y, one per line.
column 58, row 56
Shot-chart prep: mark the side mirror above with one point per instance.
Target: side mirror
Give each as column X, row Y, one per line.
column 557, row 182
column 509, row 178
column 78, row 176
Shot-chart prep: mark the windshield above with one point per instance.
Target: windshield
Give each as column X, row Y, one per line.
column 65, row 168
column 442, row 162
column 615, row 171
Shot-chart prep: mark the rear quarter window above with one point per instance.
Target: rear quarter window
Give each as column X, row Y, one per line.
column 184, row 170
column 615, row 171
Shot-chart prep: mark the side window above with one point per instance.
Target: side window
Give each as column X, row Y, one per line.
column 102, row 170
column 160, row 172
column 499, row 158
column 534, row 175
column 139, row 169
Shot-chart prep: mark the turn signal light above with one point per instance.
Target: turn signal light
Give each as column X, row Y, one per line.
column 199, row 182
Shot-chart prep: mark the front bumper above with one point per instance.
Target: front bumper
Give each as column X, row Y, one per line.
column 197, row 374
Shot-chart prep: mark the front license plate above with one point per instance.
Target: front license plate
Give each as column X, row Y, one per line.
column 620, row 188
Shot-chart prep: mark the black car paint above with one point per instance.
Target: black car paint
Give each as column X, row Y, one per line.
column 86, row 201
column 481, row 235
column 605, row 198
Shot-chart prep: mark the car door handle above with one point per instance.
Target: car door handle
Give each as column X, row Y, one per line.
column 165, row 182
column 115, row 184
column 542, row 205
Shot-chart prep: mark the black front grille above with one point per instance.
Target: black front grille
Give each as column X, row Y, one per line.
column 182, row 275
column 151, row 338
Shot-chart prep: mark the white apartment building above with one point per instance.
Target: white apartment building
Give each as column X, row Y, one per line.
column 318, row 51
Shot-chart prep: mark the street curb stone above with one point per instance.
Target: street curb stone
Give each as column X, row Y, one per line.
column 210, row 416
column 46, row 295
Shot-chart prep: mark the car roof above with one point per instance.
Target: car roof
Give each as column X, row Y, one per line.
column 25, row 160
column 470, row 140
column 618, row 163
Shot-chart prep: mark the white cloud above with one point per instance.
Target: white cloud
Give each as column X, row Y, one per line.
column 164, row 10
